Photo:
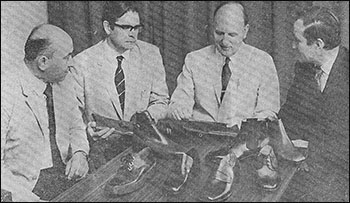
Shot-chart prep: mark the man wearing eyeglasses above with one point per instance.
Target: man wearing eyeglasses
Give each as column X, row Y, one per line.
column 120, row 76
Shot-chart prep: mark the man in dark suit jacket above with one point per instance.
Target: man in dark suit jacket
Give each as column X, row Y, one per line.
column 317, row 108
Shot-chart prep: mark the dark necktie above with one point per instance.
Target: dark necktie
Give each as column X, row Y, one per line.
column 56, row 157
column 225, row 77
column 119, row 80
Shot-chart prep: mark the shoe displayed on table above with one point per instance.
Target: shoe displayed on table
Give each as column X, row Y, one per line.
column 147, row 133
column 223, row 173
column 136, row 168
column 185, row 166
column 268, row 176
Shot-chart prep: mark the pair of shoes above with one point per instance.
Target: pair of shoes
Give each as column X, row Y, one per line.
column 223, row 165
column 266, row 166
column 136, row 168
column 184, row 167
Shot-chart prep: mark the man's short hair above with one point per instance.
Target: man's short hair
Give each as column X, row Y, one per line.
column 113, row 10
column 323, row 25
column 245, row 15
column 35, row 47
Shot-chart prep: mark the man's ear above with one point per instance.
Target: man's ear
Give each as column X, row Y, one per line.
column 107, row 27
column 319, row 43
column 43, row 63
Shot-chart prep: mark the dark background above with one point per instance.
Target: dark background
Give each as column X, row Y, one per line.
column 178, row 27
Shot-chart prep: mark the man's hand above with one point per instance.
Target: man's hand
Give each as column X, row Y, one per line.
column 179, row 113
column 98, row 132
column 77, row 167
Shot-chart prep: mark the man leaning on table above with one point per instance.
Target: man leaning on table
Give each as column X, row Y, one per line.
column 44, row 146
column 317, row 107
column 228, row 82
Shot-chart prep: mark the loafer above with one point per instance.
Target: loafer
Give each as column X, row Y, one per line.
column 185, row 167
column 218, row 186
column 136, row 168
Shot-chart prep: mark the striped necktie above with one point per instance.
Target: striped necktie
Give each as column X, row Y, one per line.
column 55, row 152
column 225, row 77
column 119, row 80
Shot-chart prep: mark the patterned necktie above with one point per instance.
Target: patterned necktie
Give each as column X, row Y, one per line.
column 318, row 77
column 225, row 77
column 119, row 80
column 55, row 152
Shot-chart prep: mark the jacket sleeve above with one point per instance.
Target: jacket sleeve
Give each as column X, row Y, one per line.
column 269, row 91
column 159, row 96
column 77, row 130
column 183, row 96
column 17, row 185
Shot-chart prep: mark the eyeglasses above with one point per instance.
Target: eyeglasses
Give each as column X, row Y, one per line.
column 130, row 27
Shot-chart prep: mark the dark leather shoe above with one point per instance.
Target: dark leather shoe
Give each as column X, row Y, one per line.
column 147, row 132
column 268, row 176
column 135, row 170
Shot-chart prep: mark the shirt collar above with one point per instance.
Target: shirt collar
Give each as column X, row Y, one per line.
column 327, row 67
column 112, row 54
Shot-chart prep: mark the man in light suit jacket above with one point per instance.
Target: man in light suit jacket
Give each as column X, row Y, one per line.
column 317, row 108
column 143, row 79
column 252, row 89
column 43, row 152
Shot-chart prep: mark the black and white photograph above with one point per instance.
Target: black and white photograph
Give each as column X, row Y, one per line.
column 174, row 101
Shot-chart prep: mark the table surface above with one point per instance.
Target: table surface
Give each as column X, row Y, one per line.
column 91, row 189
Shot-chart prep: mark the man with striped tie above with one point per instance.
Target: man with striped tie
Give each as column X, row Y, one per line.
column 120, row 76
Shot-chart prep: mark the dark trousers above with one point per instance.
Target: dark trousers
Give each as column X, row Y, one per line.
column 51, row 183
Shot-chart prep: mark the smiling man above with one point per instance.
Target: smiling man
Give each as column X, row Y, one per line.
column 120, row 76
column 228, row 81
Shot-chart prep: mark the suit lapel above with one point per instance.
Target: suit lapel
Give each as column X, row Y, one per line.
column 136, row 83
column 111, row 91
column 33, row 105
column 216, row 79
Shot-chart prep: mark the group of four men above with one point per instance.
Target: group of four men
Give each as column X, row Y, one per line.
column 229, row 81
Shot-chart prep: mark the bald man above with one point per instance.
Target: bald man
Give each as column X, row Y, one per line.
column 44, row 146
column 228, row 81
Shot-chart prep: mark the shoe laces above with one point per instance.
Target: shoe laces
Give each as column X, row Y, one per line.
column 128, row 162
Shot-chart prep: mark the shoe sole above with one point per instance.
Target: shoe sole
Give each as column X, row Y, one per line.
column 131, row 187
